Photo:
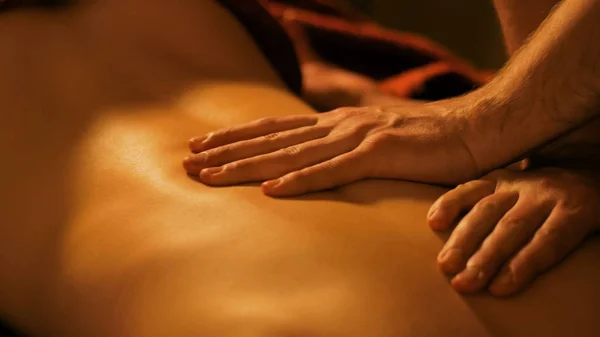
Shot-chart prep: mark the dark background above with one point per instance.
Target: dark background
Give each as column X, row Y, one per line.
column 468, row 27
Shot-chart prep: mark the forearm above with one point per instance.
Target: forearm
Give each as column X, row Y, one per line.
column 550, row 87
column 520, row 18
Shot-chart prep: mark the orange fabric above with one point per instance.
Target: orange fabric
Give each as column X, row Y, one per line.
column 407, row 65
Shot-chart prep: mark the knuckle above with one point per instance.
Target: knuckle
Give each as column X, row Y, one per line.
column 355, row 129
column 340, row 114
column 486, row 206
column 381, row 138
column 323, row 129
column 272, row 136
column 353, row 112
column 512, row 223
column 369, row 145
column 545, row 182
column 290, row 151
column 571, row 206
column 356, row 133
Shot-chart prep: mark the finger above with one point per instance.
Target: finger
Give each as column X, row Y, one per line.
column 276, row 164
column 250, row 130
column 558, row 236
column 511, row 233
column 251, row 148
column 472, row 229
column 338, row 171
column 445, row 211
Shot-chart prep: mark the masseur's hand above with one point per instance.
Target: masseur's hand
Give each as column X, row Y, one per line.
column 518, row 224
column 300, row 154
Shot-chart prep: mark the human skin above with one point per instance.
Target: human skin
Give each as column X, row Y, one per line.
column 547, row 89
column 516, row 226
column 104, row 235
column 541, row 215
column 329, row 88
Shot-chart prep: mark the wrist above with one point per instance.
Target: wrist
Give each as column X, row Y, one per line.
column 549, row 87
column 487, row 131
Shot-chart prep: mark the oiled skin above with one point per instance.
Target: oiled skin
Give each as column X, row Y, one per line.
column 105, row 235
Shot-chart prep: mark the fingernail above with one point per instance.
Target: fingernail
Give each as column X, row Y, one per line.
column 272, row 184
column 187, row 160
column 198, row 140
column 436, row 219
column 200, row 158
column 471, row 274
column 211, row 170
column 451, row 260
column 433, row 211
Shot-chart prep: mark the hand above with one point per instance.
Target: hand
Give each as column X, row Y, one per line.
column 300, row 154
column 518, row 225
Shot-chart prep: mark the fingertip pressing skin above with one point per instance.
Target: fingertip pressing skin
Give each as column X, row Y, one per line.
column 196, row 143
column 195, row 163
column 436, row 217
column 446, row 210
column 470, row 280
column 209, row 175
column 466, row 239
column 187, row 164
column 272, row 188
column 450, row 260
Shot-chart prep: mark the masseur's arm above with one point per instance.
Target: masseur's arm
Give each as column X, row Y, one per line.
column 549, row 88
column 504, row 248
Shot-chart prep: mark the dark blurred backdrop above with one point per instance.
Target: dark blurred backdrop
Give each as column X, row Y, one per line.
column 468, row 27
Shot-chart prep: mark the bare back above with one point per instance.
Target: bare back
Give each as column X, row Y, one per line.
column 105, row 235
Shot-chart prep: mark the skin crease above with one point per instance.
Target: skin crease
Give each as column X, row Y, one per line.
column 104, row 236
